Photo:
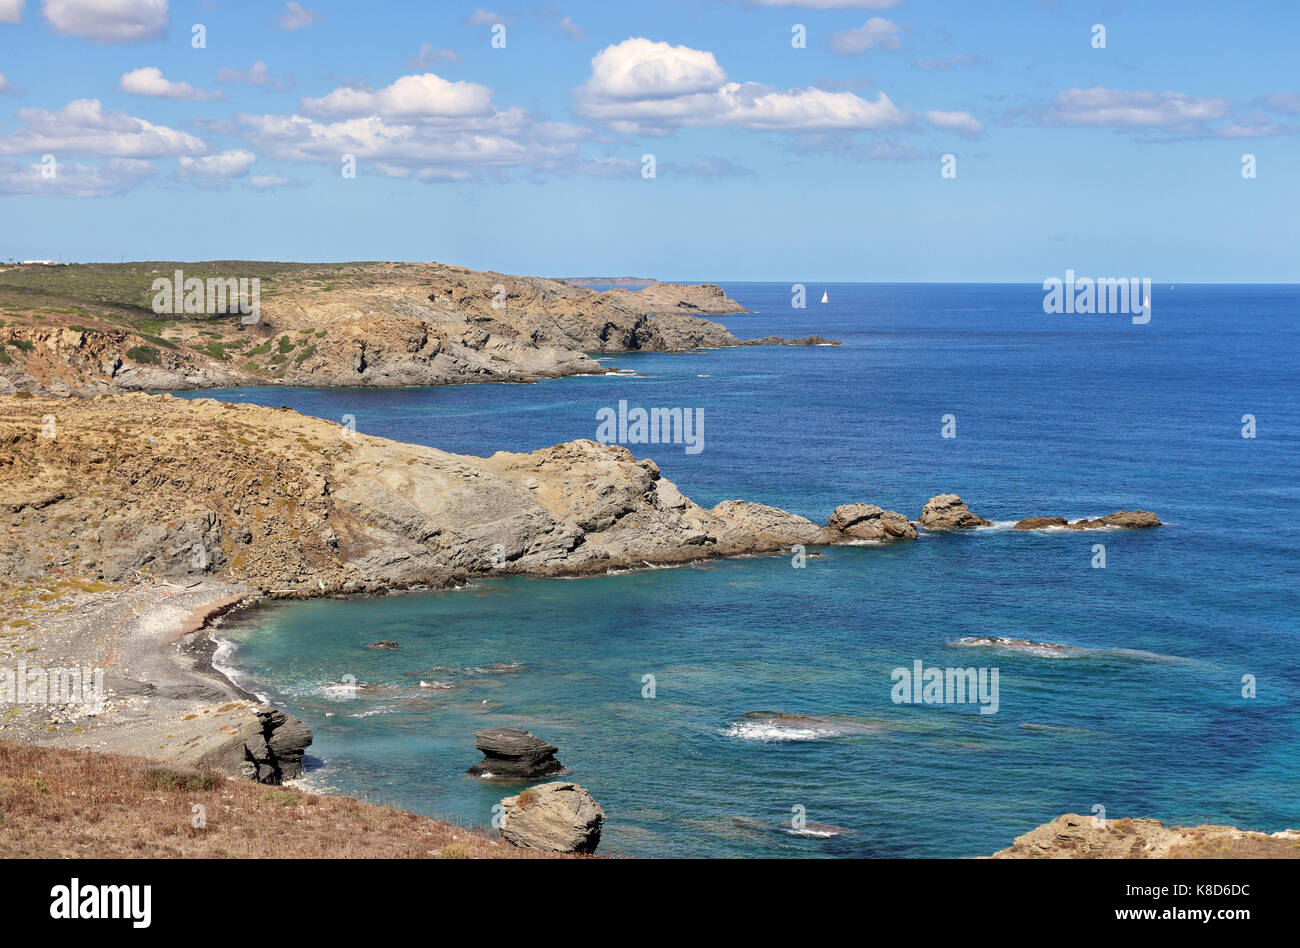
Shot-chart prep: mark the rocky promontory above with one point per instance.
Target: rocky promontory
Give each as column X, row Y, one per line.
column 113, row 489
column 91, row 329
column 292, row 505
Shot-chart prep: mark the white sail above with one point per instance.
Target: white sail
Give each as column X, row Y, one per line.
column 825, row 298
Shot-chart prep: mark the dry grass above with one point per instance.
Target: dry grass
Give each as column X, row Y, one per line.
column 62, row 803
column 1255, row 846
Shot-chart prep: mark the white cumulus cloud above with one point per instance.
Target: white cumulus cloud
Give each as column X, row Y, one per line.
column 648, row 87
column 11, row 11
column 115, row 176
column 150, row 81
column 639, row 68
column 108, row 21
column 82, row 127
column 410, row 97
column 219, row 167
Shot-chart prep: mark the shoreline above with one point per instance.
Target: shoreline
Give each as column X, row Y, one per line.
column 163, row 699
column 182, row 636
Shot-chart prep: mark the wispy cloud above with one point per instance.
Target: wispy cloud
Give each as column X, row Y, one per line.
column 876, row 33
column 296, row 17
column 962, row 122
column 487, row 18
column 429, row 56
column 1142, row 108
column 257, row 75
column 961, row 59
column 831, row 4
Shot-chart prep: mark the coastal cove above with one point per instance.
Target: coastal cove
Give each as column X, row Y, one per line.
column 1074, row 416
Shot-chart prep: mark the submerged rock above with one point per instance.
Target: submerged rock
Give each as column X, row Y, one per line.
column 947, row 512
column 510, row 752
column 382, row 645
column 555, row 817
column 994, row 641
column 869, row 522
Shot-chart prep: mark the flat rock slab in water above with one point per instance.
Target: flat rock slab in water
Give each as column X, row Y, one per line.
column 513, row 752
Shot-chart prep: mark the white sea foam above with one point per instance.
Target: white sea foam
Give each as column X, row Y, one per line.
column 768, row 732
column 373, row 711
column 221, row 660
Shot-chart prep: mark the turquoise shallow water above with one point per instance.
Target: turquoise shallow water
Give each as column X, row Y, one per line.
column 1074, row 416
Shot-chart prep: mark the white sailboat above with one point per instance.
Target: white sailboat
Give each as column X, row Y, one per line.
column 825, row 298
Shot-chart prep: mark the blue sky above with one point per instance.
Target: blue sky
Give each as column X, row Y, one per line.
column 772, row 162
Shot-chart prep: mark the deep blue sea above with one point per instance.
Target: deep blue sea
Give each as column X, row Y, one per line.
column 1055, row 415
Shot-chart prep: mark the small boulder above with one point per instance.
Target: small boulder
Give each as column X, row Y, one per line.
column 869, row 522
column 947, row 512
column 554, row 817
column 382, row 645
column 509, row 752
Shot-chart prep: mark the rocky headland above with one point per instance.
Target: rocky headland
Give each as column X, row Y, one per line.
column 93, row 329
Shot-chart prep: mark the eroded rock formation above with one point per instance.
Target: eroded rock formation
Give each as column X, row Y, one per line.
column 514, row 754
column 869, row 522
column 555, row 817
column 947, row 512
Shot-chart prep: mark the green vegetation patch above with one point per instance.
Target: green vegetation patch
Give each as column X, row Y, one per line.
column 146, row 355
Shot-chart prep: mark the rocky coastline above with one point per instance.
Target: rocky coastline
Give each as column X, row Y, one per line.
column 132, row 523
column 148, row 517
column 94, row 329
column 1090, row 837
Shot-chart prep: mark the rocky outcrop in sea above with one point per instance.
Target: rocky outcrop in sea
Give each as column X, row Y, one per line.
column 1123, row 519
column 948, row 512
column 510, row 753
column 869, row 522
